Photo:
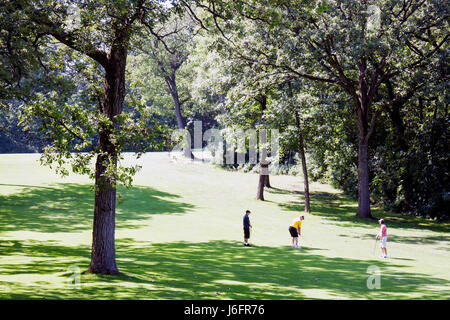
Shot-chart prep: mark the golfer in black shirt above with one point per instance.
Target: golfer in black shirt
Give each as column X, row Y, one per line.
column 247, row 226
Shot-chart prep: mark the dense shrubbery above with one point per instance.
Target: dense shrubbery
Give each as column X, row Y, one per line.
column 415, row 180
column 408, row 172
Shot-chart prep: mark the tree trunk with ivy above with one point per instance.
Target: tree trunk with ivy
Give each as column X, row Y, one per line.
column 103, row 259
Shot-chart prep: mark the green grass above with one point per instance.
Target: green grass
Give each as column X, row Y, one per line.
column 179, row 236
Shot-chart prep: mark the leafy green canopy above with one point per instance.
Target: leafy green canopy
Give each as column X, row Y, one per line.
column 54, row 57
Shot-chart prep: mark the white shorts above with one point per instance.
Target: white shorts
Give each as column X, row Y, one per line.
column 383, row 242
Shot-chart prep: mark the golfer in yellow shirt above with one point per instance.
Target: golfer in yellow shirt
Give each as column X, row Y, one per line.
column 295, row 229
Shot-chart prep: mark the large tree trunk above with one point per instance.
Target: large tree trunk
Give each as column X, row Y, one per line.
column 171, row 83
column 262, row 99
column 363, row 100
column 103, row 257
column 304, row 167
column 267, row 182
column 305, row 176
column 363, row 181
column 264, row 167
column 262, row 180
column 363, row 160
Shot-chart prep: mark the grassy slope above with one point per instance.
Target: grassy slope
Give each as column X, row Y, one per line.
column 179, row 233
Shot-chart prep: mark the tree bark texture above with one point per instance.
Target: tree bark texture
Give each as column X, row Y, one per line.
column 172, row 85
column 363, row 102
column 103, row 258
column 261, row 183
column 304, row 166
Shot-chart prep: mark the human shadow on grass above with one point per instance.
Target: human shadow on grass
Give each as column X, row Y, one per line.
column 69, row 207
column 214, row 270
column 342, row 210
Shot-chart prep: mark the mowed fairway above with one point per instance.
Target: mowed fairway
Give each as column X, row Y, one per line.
column 179, row 236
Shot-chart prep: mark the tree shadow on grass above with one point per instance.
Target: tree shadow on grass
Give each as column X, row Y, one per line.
column 69, row 207
column 342, row 210
column 213, row 270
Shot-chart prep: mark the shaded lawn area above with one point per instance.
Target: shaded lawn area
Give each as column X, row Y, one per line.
column 342, row 210
column 208, row 270
column 69, row 207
